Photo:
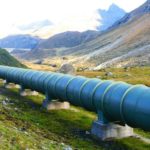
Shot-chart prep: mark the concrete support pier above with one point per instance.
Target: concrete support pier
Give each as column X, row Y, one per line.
column 104, row 130
column 24, row 92
column 6, row 84
column 55, row 105
column 50, row 104
column 110, row 131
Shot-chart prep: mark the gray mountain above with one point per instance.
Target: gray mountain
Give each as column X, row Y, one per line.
column 68, row 39
column 110, row 16
column 19, row 41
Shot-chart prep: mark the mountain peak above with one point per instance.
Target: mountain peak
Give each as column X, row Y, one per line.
column 114, row 6
column 110, row 16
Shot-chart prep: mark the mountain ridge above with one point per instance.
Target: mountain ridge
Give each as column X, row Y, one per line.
column 24, row 41
column 143, row 9
column 68, row 39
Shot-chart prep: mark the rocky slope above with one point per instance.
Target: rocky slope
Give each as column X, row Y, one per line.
column 124, row 44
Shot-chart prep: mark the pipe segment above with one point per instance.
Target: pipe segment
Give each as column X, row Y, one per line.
column 118, row 101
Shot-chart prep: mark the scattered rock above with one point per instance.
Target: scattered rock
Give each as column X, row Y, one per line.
column 109, row 74
column 4, row 103
column 53, row 65
column 23, row 129
column 67, row 68
column 65, row 58
column 16, row 109
column 126, row 69
column 39, row 62
column 80, row 69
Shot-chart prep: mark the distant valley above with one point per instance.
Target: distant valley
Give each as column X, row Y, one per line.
column 122, row 42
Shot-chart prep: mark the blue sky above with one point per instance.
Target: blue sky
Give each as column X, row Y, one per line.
column 76, row 13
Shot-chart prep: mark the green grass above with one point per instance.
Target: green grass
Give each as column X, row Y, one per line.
column 8, row 60
column 25, row 125
column 135, row 75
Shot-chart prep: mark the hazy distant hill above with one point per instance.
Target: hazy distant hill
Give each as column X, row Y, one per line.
column 8, row 60
column 19, row 41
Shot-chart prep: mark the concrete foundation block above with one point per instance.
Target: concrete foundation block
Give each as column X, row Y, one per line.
column 55, row 105
column 26, row 92
column 34, row 93
column 10, row 85
column 17, row 86
column 110, row 131
column 7, row 86
column 23, row 93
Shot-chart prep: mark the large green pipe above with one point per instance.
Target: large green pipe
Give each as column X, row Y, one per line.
column 118, row 101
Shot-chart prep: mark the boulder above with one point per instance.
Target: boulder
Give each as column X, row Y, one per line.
column 67, row 68
column 109, row 74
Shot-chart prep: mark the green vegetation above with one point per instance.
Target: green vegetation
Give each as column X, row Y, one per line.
column 25, row 125
column 133, row 75
column 8, row 60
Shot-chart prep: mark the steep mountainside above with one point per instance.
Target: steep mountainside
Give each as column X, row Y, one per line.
column 126, row 44
column 144, row 9
column 68, row 39
column 19, row 41
column 8, row 60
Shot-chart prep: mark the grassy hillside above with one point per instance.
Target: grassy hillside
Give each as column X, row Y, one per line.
column 24, row 125
column 8, row 60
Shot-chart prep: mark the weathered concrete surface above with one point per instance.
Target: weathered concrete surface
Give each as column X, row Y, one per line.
column 55, row 105
column 110, row 131
column 23, row 93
